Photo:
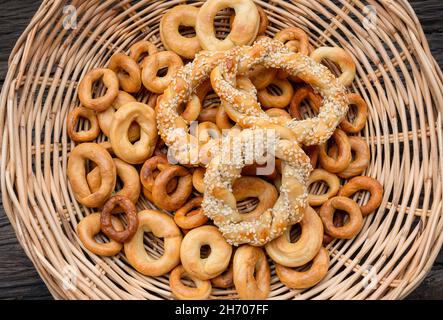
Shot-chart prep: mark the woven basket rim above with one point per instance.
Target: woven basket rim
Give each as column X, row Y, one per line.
column 397, row 75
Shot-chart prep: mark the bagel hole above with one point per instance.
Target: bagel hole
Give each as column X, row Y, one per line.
column 83, row 124
column 335, row 69
column 222, row 25
column 247, row 205
column 340, row 218
column 97, row 89
column 154, row 246
column 295, row 233
column 352, row 113
column 211, row 100
column 274, row 90
column 318, row 187
column 162, row 72
column 187, row 281
column 205, row 251
column 187, row 32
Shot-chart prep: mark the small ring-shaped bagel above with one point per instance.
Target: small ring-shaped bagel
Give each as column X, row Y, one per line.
column 105, row 117
column 77, row 174
column 340, row 57
column 187, row 218
column 252, row 275
column 344, row 156
column 226, row 279
column 351, row 227
column 362, row 115
column 127, row 174
column 182, row 15
column 131, row 218
column 305, row 279
column 89, row 227
column 162, row 226
column 197, row 179
column 82, row 135
column 332, row 181
column 175, row 200
column 244, row 27
column 141, row 49
column 109, row 79
column 364, row 183
column 261, row 77
column 142, row 149
column 152, row 64
column 269, row 100
column 300, row 95
column 127, row 71
column 299, row 253
column 360, row 161
column 276, row 112
column 147, row 172
column 218, row 258
column 201, row 291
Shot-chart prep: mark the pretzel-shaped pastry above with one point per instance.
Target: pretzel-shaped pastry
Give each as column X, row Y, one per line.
column 127, row 71
column 89, row 227
column 182, row 15
column 244, row 27
column 187, row 219
column 105, row 117
column 215, row 263
column 272, row 53
column 252, row 275
column 141, row 150
column 162, row 226
column 289, row 254
column 83, row 135
column 110, row 80
column 181, row 291
column 305, row 279
column 77, row 174
column 152, row 64
column 219, row 202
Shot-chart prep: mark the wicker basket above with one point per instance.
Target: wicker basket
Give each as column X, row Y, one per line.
column 397, row 76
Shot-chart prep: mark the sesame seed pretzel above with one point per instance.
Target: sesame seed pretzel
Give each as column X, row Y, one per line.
column 272, row 53
column 219, row 202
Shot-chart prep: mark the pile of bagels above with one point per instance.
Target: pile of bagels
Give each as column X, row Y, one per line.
column 145, row 136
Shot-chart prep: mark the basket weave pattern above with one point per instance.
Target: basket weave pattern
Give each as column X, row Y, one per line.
column 396, row 75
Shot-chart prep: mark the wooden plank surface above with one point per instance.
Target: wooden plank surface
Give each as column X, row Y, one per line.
column 18, row 278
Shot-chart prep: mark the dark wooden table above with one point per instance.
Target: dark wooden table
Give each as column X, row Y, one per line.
column 18, row 278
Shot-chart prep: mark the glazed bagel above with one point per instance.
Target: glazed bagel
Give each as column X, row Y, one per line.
column 331, row 180
column 341, row 58
column 215, row 263
column 251, row 273
column 343, row 156
column 106, row 117
column 244, row 27
column 110, row 81
column 359, row 163
column 305, row 279
column 130, row 212
column 140, row 50
column 351, row 227
column 175, row 200
column 89, row 227
column 142, row 149
column 252, row 187
column 182, row 15
column 269, row 100
column 220, row 204
column 77, row 174
column 82, row 135
column 127, row 71
column 153, row 63
column 201, row 291
column 296, row 254
column 187, row 218
column 364, row 183
column 162, row 226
